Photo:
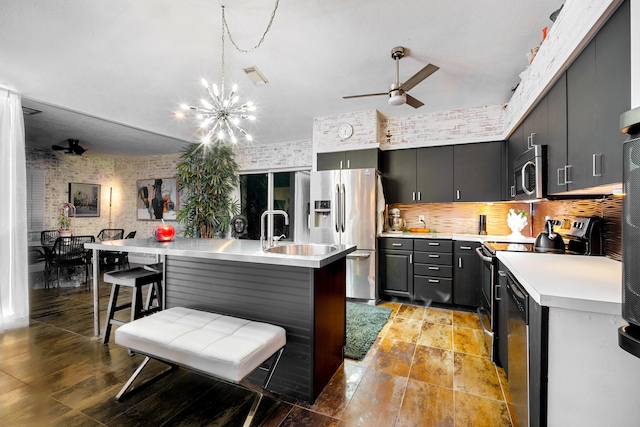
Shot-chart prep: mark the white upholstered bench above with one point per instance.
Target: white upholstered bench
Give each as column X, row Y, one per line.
column 224, row 347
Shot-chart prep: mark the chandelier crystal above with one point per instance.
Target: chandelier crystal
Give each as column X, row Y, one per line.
column 221, row 115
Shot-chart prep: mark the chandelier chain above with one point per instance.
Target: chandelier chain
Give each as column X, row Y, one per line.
column 225, row 25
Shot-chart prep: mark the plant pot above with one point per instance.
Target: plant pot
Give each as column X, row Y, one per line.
column 65, row 233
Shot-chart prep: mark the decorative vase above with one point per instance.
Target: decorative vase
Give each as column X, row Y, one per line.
column 516, row 221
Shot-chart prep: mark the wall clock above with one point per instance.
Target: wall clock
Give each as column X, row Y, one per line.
column 345, row 131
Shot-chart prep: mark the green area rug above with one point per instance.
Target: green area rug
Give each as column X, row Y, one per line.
column 364, row 322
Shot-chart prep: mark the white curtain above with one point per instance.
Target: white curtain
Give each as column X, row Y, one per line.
column 14, row 286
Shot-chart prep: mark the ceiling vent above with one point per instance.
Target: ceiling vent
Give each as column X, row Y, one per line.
column 256, row 76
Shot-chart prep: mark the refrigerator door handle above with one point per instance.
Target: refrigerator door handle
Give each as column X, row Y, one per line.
column 344, row 207
column 336, row 209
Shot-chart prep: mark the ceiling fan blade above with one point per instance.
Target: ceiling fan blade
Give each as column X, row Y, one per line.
column 368, row 94
column 419, row 76
column 413, row 102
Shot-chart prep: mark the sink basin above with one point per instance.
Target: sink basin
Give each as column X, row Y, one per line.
column 303, row 249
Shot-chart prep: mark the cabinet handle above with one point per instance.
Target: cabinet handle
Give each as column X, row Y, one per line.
column 497, row 295
column 413, row 196
column 434, row 268
column 434, row 256
column 597, row 164
column 348, row 164
column 340, row 164
column 396, row 244
column 457, row 194
column 434, row 244
column 567, row 175
column 466, row 248
column 410, row 258
column 419, row 195
column 434, row 281
column 501, row 273
column 562, row 170
column 459, row 262
column 530, row 142
column 513, row 191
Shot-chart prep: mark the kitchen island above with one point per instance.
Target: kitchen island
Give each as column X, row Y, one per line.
column 306, row 295
column 590, row 380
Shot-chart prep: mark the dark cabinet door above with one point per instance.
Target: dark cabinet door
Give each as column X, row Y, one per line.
column 330, row 161
column 396, row 273
column 354, row 159
column 581, row 118
column 399, row 180
column 467, row 285
column 502, row 305
column 557, row 136
column 515, row 147
column 535, row 126
column 434, row 174
column 613, row 95
column 361, row 159
column 478, row 172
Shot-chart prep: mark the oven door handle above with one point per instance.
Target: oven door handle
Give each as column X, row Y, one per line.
column 482, row 255
column 481, row 311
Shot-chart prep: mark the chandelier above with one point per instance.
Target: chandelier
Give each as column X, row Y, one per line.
column 221, row 115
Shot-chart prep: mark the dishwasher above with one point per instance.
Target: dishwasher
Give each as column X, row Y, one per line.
column 518, row 348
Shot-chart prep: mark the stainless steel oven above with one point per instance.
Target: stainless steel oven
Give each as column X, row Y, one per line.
column 488, row 312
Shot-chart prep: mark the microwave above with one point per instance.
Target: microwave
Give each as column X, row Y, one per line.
column 530, row 174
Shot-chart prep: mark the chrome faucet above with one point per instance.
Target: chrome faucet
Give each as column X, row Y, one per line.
column 269, row 239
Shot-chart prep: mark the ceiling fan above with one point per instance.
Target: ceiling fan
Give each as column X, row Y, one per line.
column 73, row 148
column 398, row 91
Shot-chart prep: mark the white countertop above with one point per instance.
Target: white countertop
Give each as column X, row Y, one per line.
column 459, row 236
column 575, row 282
column 221, row 249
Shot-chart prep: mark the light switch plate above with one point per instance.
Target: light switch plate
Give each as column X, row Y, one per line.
column 421, row 218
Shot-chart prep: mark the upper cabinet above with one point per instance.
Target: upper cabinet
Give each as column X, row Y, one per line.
column 418, row 175
column 479, row 172
column 354, row 159
column 579, row 117
column 464, row 172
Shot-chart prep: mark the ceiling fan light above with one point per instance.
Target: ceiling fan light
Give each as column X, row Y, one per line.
column 396, row 98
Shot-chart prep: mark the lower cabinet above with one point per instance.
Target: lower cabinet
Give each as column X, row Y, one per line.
column 432, row 272
column 395, row 267
column 467, row 284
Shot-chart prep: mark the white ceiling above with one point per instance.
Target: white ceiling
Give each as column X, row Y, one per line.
column 112, row 73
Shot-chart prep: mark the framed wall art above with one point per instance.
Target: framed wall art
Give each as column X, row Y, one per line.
column 157, row 199
column 85, row 198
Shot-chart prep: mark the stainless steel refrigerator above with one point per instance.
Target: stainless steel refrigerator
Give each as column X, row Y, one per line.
column 343, row 211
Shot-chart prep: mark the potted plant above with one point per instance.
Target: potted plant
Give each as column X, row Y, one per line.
column 64, row 219
column 206, row 176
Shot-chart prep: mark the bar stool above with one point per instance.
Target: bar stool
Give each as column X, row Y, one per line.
column 134, row 278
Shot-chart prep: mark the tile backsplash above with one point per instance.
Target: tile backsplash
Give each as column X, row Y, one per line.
column 464, row 217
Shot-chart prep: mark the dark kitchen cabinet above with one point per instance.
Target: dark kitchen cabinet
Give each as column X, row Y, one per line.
column 557, row 135
column 396, row 267
column 433, row 273
column 515, row 147
column 502, row 305
column 354, row 159
column 467, row 285
column 418, row 175
column 598, row 91
column 478, row 172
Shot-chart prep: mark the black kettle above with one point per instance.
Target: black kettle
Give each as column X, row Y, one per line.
column 548, row 241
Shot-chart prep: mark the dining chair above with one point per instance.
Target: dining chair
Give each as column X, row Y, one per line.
column 47, row 239
column 110, row 234
column 70, row 252
column 123, row 259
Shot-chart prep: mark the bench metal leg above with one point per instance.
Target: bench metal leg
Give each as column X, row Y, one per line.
column 253, row 410
column 137, row 372
column 272, row 368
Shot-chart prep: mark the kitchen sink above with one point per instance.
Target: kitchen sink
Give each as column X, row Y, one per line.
column 303, row 249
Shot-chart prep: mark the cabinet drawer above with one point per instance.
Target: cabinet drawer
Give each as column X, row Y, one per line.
column 396, row 243
column 433, row 270
column 432, row 258
column 432, row 289
column 461, row 247
column 433, row 245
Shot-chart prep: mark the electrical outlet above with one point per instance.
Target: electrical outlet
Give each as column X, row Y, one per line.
column 420, row 218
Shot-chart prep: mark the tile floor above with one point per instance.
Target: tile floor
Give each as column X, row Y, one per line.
column 428, row 367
